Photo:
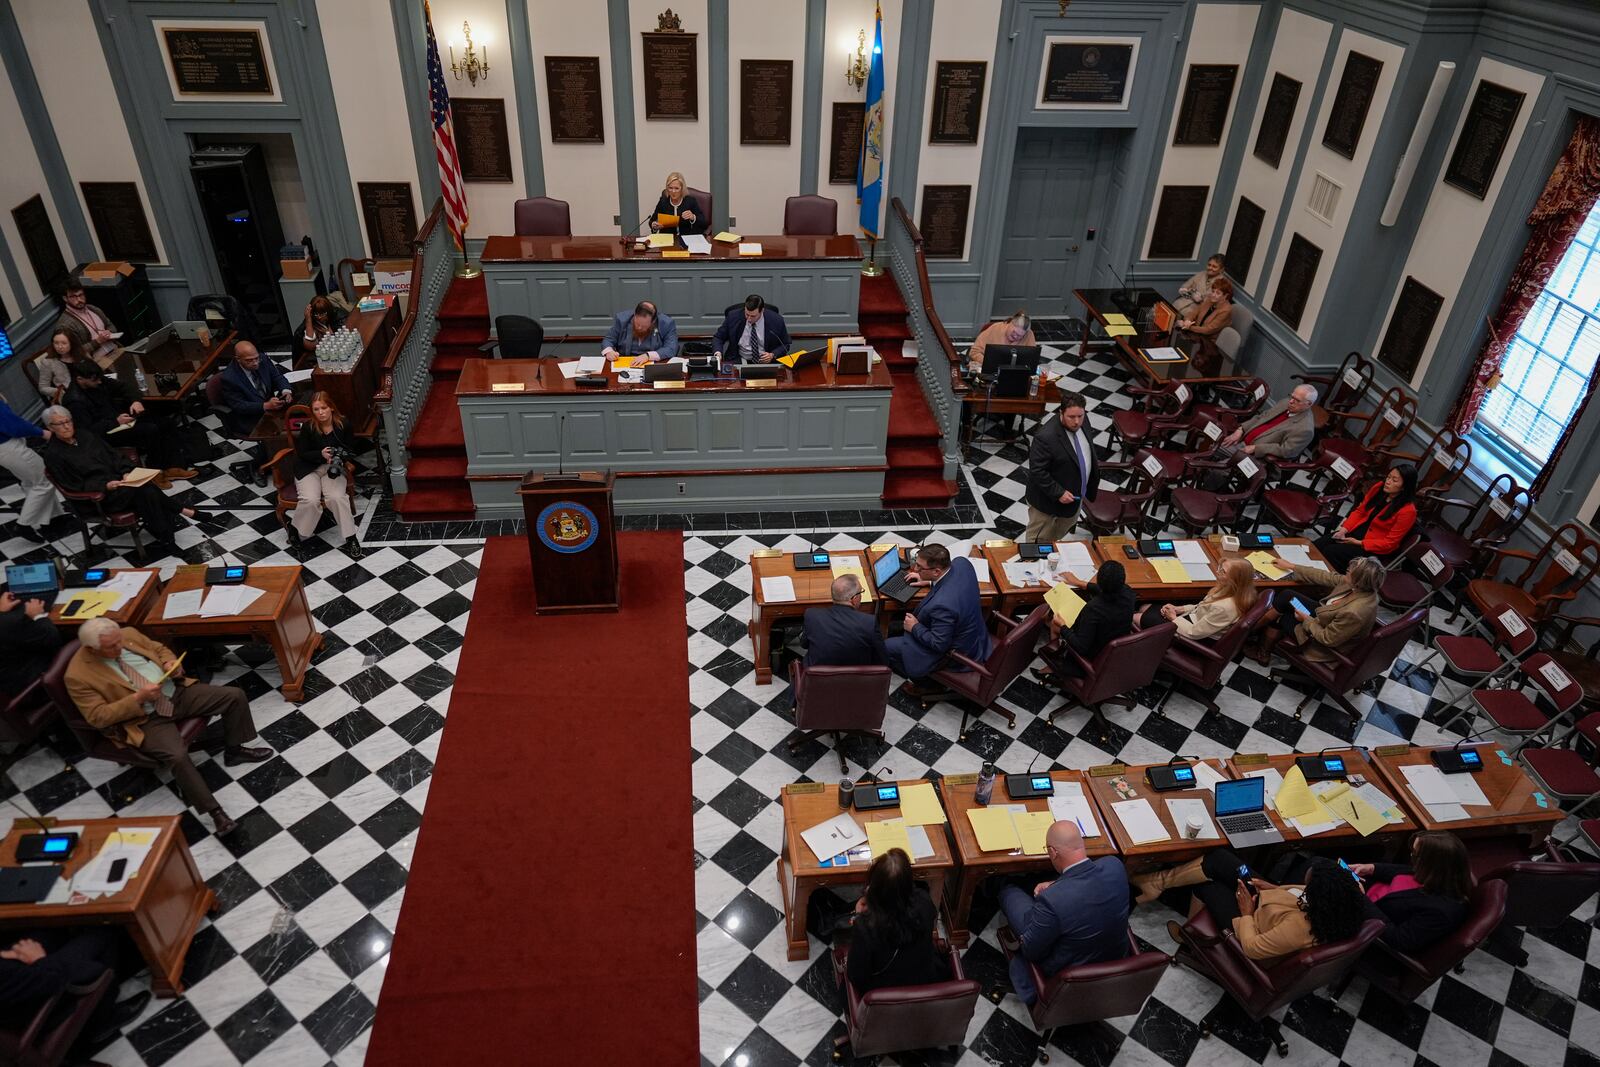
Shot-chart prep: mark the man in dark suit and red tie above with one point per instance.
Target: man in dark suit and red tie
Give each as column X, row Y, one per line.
column 754, row 333
column 949, row 619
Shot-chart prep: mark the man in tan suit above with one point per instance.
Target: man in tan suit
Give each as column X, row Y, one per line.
column 134, row 690
column 1282, row 431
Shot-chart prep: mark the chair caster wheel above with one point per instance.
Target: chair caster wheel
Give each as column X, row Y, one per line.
column 1205, row 1028
column 997, row 995
column 1044, row 1057
column 1300, row 715
column 1282, row 1046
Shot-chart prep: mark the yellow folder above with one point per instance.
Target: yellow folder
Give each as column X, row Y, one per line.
column 919, row 805
column 1065, row 602
column 1169, row 570
column 1031, row 827
column 661, row 240
column 887, row 834
column 995, row 830
column 664, row 220
column 1267, row 564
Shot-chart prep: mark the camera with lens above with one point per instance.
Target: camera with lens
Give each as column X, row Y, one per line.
column 336, row 464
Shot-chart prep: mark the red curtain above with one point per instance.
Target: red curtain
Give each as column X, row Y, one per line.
column 1568, row 197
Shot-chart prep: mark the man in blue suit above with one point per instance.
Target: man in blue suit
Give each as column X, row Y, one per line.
column 752, row 334
column 839, row 635
column 1081, row 917
column 252, row 386
column 643, row 333
column 949, row 619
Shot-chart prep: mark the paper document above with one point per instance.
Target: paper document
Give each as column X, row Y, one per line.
column 1266, row 564
column 591, row 364
column 1466, row 789
column 1207, row 776
column 660, row 240
column 1021, row 574
column 1065, row 602
column 1295, row 553
column 778, row 589
column 887, row 834
column 1446, row 812
column 1313, row 825
column 839, row 834
column 1074, row 807
column 1274, row 783
column 1163, row 355
column 994, row 829
column 175, row 665
column 921, row 847
column 128, row 582
column 980, row 567
column 295, row 377
column 1141, row 822
column 1294, row 799
column 1075, row 554
column 121, row 426
column 140, row 475
column 228, row 600
column 621, row 362
column 1185, row 808
column 1170, row 570
column 727, row 237
column 749, row 248
column 793, row 357
column 1381, row 802
column 1191, row 552
column 1429, row 785
column 697, row 244
column 1199, row 572
column 569, row 368
column 919, row 805
column 185, row 603
column 1031, row 828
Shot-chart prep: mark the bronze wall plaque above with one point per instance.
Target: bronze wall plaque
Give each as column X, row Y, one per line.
column 1483, row 138
column 1294, row 285
column 1357, row 86
column 1277, row 115
column 572, row 85
column 482, row 140
column 766, row 100
column 1178, row 217
column 391, row 218
column 218, row 62
column 844, row 142
column 40, row 244
column 957, row 102
column 119, row 221
column 944, row 220
column 1409, row 328
column 1207, row 99
column 1092, row 72
column 671, row 76
column 1242, row 238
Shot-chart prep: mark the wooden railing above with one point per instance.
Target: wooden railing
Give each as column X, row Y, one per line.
column 404, row 379
column 938, row 366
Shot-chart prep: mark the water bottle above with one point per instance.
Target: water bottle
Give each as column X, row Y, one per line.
column 985, row 788
column 1036, row 384
column 138, row 376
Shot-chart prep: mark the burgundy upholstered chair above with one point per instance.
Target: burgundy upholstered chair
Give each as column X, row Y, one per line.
column 49, row 1033
column 837, row 700
column 1159, row 408
column 1372, row 656
column 541, row 216
column 1261, row 990
column 708, row 209
column 1367, row 441
column 1238, row 402
column 1407, row 977
column 810, row 216
column 982, row 683
column 902, row 1018
column 1300, row 511
column 1417, row 581
column 1345, row 387
column 1114, row 510
column 96, row 744
column 1466, row 533
column 1089, row 992
column 26, row 714
column 1543, row 893
column 1197, row 665
column 90, row 509
column 1124, row 665
column 1197, row 511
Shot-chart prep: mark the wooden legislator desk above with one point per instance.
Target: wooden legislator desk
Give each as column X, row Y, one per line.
column 806, row 804
column 1355, row 762
column 128, row 614
column 575, row 285
column 160, row 908
column 1175, row 848
column 281, row 617
column 1513, row 797
column 187, row 360
column 958, row 794
column 812, row 440
column 1205, row 365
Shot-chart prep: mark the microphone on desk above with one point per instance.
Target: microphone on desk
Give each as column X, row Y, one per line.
column 628, row 237
column 540, row 372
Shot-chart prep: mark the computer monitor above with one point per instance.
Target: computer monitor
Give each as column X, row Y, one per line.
column 885, row 567
column 997, row 356
column 1241, row 795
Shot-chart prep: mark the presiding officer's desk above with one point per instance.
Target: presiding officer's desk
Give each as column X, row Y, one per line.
column 576, row 285
column 810, row 440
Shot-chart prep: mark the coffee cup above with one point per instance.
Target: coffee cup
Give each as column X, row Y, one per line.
column 1192, row 827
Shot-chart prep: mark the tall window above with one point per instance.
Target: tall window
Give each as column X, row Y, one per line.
column 1548, row 363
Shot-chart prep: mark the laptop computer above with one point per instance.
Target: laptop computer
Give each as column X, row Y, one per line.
column 33, row 581
column 892, row 576
column 1242, row 813
column 27, row 885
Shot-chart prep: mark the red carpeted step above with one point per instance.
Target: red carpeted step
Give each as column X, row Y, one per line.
column 917, row 489
column 911, row 457
column 438, row 426
column 460, row 334
column 447, row 366
column 436, row 468
column 467, row 298
column 431, row 504
column 881, row 296
column 910, row 421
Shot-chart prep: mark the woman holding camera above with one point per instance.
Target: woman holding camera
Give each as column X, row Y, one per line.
column 322, row 450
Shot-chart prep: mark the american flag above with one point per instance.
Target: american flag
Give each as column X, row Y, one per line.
column 444, row 141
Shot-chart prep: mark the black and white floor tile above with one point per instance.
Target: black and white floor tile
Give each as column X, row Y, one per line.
column 311, row 885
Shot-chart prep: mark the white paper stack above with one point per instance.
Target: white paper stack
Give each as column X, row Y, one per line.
column 1431, row 787
column 921, row 847
column 839, row 834
column 778, row 589
column 1207, row 776
column 1199, row 572
column 980, row 567
column 1294, row 553
column 185, row 603
column 1190, row 552
column 1020, row 573
column 1183, row 809
column 591, row 364
column 570, row 368
column 1141, row 821
column 697, row 244
column 228, row 600
column 1380, row 802
column 1075, row 559
column 1068, row 804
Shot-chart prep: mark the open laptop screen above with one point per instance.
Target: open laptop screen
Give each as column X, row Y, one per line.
column 886, row 566
column 24, row 578
column 1236, row 798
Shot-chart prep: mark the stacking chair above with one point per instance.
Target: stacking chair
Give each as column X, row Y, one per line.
column 1406, row 977
column 836, row 700
column 46, row 1036
column 982, row 683
column 1124, row 666
column 1465, row 532
column 1567, row 774
column 1582, row 663
column 902, row 1018
column 1089, row 992
column 1511, row 710
column 1370, row 658
column 1480, row 660
column 1543, row 893
column 1196, row 665
column 1417, row 582
column 1346, row 387
column 1554, row 575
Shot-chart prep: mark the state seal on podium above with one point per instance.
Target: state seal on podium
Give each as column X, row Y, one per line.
column 567, row 526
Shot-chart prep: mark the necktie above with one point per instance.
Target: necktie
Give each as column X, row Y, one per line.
column 162, row 705
column 748, row 345
column 1083, row 465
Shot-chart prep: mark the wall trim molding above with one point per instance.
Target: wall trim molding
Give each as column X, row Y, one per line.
column 811, row 96
column 622, row 113
column 718, row 97
column 526, row 90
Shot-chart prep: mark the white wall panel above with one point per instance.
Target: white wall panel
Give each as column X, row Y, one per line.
column 962, row 32
column 584, row 175
column 761, row 177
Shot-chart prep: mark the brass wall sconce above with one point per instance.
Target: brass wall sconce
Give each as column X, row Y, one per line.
column 471, row 65
column 856, row 67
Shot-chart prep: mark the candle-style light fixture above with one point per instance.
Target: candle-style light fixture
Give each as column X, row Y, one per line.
column 471, row 65
column 856, row 67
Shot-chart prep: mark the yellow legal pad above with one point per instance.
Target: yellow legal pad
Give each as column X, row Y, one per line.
column 661, row 240
column 1031, row 827
column 919, row 805
column 1267, row 564
column 621, row 362
column 1295, row 799
column 664, row 220
column 1065, row 602
column 1115, row 319
column 727, row 237
column 95, row 604
column 1169, row 570
column 842, row 566
column 890, row 833
column 995, row 829
column 1120, row 331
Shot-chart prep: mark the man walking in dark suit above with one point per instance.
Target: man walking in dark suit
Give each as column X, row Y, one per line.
column 949, row 619
column 839, row 635
column 1081, row 917
column 752, row 334
column 1062, row 472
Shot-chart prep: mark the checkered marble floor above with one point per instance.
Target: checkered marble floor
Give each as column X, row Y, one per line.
column 311, row 885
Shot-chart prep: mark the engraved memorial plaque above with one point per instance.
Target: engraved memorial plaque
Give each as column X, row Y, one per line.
column 957, row 102
column 1483, row 138
column 944, row 220
column 120, row 225
column 671, row 84
column 1409, row 328
column 1242, row 238
column 1178, row 216
column 1357, row 86
column 572, row 85
column 390, row 216
column 40, row 244
column 766, row 100
column 1294, row 285
column 482, row 141
column 844, row 142
column 218, row 62
column 1277, row 115
column 1207, row 97
column 1087, row 72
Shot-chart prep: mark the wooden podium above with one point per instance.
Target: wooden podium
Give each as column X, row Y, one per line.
column 572, row 542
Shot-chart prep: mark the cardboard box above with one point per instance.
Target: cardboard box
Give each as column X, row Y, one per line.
column 106, row 272
column 392, row 276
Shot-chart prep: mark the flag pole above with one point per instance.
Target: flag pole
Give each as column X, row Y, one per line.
column 871, row 269
column 467, row 269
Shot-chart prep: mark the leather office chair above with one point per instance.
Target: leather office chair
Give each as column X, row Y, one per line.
column 1546, row 583
column 286, row 494
column 1346, row 387
column 982, row 683
column 1243, row 321
column 708, row 209
column 1371, row 657
column 836, row 700
column 1297, row 510
column 89, row 508
column 95, row 744
column 902, row 1018
column 344, row 273
column 1089, row 992
column 50, row 1032
column 26, row 714
column 1215, row 952
column 1127, row 664
column 1406, row 977
column 542, row 216
column 1541, row 894
column 515, row 337
column 1196, row 666
column 810, row 216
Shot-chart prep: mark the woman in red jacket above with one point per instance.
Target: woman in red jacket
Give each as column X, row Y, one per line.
column 1379, row 524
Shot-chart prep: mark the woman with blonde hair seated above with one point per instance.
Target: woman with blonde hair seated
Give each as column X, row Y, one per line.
column 1345, row 614
column 676, row 201
column 1226, row 603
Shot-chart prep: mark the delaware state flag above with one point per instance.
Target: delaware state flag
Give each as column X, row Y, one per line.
column 869, row 168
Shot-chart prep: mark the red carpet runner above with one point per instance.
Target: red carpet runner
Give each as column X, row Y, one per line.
column 532, row 932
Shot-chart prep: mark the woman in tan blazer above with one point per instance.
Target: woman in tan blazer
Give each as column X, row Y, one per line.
column 1213, row 316
column 1344, row 616
column 1232, row 596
